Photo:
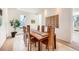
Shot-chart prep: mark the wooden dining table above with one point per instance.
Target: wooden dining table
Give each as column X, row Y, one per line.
column 40, row 36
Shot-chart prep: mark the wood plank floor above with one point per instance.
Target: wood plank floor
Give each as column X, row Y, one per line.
column 19, row 46
column 72, row 44
column 7, row 46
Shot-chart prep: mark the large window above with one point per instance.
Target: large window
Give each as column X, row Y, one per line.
column 76, row 21
column 22, row 20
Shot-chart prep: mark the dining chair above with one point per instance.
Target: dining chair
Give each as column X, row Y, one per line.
column 45, row 41
column 31, row 40
column 50, row 42
column 38, row 27
column 51, row 33
column 25, row 35
column 42, row 28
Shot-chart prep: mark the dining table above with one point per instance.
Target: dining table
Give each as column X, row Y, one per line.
column 40, row 36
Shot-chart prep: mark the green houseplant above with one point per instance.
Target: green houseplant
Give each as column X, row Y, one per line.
column 15, row 24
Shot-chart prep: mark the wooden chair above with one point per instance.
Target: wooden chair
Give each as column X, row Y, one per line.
column 31, row 39
column 38, row 27
column 25, row 36
column 46, row 40
column 42, row 28
column 50, row 42
column 51, row 33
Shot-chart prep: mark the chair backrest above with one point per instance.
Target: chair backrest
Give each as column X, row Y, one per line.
column 51, row 32
column 28, row 28
column 25, row 36
column 42, row 28
column 24, row 29
column 28, row 34
column 38, row 27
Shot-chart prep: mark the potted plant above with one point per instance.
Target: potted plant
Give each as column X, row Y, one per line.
column 14, row 23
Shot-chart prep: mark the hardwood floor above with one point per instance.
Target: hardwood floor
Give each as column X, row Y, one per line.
column 72, row 44
column 7, row 46
column 18, row 45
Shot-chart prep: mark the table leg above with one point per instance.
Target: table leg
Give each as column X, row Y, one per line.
column 55, row 42
column 39, row 46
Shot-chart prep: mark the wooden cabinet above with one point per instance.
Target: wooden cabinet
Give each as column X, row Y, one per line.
column 47, row 21
column 53, row 21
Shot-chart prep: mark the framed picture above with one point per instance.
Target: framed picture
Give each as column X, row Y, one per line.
column 32, row 21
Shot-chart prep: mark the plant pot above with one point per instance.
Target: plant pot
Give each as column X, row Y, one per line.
column 13, row 34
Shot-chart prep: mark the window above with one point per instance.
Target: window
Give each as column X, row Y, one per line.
column 22, row 20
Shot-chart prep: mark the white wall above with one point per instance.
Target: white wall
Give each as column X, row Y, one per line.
column 65, row 19
column 65, row 24
column 3, row 27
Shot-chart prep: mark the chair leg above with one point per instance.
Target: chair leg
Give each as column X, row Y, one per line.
column 31, row 46
column 35, row 44
column 46, row 47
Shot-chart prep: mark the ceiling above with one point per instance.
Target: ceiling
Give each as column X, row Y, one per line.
column 31, row 10
column 35, row 10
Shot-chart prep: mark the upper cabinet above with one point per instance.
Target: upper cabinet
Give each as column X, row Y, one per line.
column 53, row 21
